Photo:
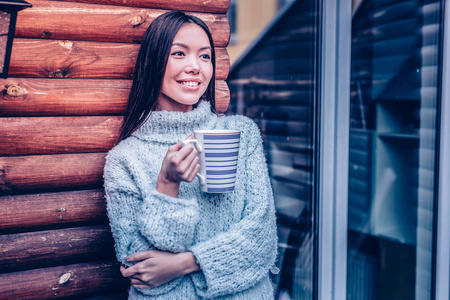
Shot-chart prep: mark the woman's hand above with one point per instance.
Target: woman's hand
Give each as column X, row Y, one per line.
column 179, row 164
column 155, row 268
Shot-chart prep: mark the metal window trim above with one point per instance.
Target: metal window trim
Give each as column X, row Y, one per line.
column 333, row 149
column 442, row 274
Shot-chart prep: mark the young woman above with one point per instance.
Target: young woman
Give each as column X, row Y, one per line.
column 173, row 240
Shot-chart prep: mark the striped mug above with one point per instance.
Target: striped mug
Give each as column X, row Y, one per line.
column 218, row 152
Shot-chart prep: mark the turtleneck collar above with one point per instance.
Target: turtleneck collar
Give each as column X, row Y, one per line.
column 174, row 126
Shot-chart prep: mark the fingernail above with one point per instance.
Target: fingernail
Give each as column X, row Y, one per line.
column 127, row 258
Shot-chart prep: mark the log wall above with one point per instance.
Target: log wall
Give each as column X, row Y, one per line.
column 60, row 112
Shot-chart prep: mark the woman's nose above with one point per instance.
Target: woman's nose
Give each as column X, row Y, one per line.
column 192, row 66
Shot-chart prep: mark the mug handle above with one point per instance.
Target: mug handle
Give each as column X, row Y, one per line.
column 195, row 142
column 199, row 148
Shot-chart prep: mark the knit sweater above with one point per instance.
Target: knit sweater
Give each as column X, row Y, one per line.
column 232, row 235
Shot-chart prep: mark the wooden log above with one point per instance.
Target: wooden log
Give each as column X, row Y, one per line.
column 52, row 210
column 76, row 280
column 67, row 59
column 35, row 96
column 41, row 173
column 222, row 64
column 88, row 22
column 222, row 96
column 53, row 97
column 58, row 135
column 43, row 249
column 73, row 59
column 216, row 6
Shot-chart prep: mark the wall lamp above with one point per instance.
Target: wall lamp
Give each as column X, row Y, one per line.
column 8, row 17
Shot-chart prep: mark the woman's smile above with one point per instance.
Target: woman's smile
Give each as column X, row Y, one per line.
column 191, row 85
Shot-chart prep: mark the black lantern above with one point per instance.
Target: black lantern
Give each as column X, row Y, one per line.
column 8, row 17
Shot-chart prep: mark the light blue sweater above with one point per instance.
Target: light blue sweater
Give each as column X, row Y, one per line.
column 232, row 235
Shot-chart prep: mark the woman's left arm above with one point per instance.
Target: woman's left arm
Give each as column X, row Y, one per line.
column 154, row 268
column 238, row 258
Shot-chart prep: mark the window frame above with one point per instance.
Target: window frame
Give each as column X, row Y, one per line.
column 442, row 254
column 333, row 119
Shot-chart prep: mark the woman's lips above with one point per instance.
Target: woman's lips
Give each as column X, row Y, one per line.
column 192, row 85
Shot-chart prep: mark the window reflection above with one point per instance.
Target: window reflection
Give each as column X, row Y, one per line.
column 394, row 93
column 274, row 84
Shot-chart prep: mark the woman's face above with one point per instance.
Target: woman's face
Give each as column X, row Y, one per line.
column 189, row 70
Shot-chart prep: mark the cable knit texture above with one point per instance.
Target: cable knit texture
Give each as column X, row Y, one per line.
column 232, row 235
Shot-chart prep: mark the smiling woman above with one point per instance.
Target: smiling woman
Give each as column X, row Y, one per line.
column 174, row 240
column 154, row 60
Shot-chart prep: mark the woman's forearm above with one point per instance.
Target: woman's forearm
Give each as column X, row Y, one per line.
column 154, row 268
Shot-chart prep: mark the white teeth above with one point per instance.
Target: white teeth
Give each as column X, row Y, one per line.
column 190, row 83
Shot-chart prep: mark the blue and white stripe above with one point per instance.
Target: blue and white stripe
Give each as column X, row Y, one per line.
column 221, row 156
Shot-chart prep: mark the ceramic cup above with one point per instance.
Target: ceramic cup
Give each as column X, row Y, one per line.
column 218, row 152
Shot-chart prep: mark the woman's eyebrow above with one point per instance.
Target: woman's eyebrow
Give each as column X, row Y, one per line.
column 180, row 44
column 187, row 47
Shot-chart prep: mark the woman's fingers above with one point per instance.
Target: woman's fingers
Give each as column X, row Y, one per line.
column 139, row 256
column 174, row 148
column 188, row 164
column 137, row 281
column 193, row 170
column 180, row 158
column 122, row 270
column 180, row 163
column 184, row 162
column 178, row 146
column 160, row 267
column 136, row 269
column 141, row 286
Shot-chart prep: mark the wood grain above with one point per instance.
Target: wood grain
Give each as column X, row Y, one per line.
column 80, row 59
column 72, row 97
column 53, row 210
column 67, row 59
column 88, row 22
column 70, row 73
column 222, row 96
column 216, row 6
column 76, row 280
column 41, row 173
column 52, row 97
column 58, row 135
column 42, row 249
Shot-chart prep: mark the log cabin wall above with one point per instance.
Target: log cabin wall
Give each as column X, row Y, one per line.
column 60, row 112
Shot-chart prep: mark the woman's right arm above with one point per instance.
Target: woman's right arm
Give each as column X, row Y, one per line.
column 140, row 223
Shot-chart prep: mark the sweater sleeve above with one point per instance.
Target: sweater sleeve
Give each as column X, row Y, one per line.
column 140, row 223
column 237, row 259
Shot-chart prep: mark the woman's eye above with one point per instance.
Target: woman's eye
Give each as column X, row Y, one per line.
column 178, row 53
column 205, row 56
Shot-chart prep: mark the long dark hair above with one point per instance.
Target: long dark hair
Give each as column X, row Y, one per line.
column 151, row 65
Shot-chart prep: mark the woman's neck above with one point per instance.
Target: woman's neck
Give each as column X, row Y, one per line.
column 173, row 106
column 174, row 126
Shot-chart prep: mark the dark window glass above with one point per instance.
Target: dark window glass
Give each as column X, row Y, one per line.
column 392, row 160
column 275, row 85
